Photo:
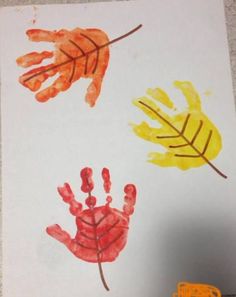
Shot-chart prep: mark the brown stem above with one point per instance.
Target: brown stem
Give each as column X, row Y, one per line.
column 84, row 55
column 187, row 141
column 102, row 276
column 97, row 248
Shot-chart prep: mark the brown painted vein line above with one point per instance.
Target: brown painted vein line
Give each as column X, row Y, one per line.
column 180, row 133
column 88, row 53
column 103, row 218
column 163, row 119
column 66, row 54
column 86, row 236
column 197, row 132
column 179, row 145
column 97, row 250
column 72, row 60
column 188, row 156
column 73, row 71
column 207, row 143
column 168, row 136
column 86, row 65
column 108, row 229
column 185, row 138
column 110, row 243
column 193, row 139
column 82, row 220
column 97, row 53
column 85, row 247
column 185, row 124
column 83, row 53
column 78, row 47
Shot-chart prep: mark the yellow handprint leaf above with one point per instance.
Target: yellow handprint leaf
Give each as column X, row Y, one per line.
column 190, row 138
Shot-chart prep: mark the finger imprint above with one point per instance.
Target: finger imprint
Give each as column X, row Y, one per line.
column 33, row 58
column 59, row 85
column 35, row 83
column 41, row 35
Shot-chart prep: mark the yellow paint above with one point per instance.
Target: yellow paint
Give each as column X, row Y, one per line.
column 196, row 290
column 208, row 93
column 160, row 96
column 172, row 125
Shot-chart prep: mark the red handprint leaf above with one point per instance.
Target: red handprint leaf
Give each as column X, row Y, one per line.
column 78, row 53
column 101, row 230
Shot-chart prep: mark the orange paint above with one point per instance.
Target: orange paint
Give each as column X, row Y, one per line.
column 78, row 53
column 196, row 290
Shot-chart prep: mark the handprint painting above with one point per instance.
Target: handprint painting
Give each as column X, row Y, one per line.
column 101, row 230
column 80, row 53
column 190, row 138
column 75, row 242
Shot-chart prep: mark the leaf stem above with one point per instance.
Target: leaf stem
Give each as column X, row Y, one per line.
column 102, row 276
column 84, row 54
column 97, row 248
column 187, row 141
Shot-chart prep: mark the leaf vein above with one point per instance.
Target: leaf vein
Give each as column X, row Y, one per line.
column 86, row 236
column 84, row 221
column 82, row 55
column 108, row 229
column 102, row 219
column 85, row 246
column 110, row 243
column 199, row 153
column 97, row 51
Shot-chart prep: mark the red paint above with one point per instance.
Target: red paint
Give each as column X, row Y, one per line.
column 87, row 182
column 101, row 230
column 106, row 179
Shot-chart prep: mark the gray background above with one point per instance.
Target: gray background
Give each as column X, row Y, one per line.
column 230, row 12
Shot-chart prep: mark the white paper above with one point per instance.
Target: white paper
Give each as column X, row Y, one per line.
column 183, row 227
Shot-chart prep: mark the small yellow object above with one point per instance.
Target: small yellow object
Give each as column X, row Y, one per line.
column 196, row 290
column 208, row 93
column 190, row 138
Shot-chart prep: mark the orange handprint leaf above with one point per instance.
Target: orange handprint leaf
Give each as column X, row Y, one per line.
column 196, row 290
column 101, row 230
column 189, row 137
column 78, row 53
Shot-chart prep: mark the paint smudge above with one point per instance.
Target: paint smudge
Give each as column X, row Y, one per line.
column 190, row 138
column 101, row 231
column 78, row 53
column 196, row 290
column 34, row 15
column 208, row 93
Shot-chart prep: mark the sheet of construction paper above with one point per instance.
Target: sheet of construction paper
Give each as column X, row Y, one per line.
column 142, row 89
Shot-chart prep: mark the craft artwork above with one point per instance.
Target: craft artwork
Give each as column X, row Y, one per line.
column 101, row 230
column 189, row 137
column 181, row 224
column 196, row 290
column 78, row 53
